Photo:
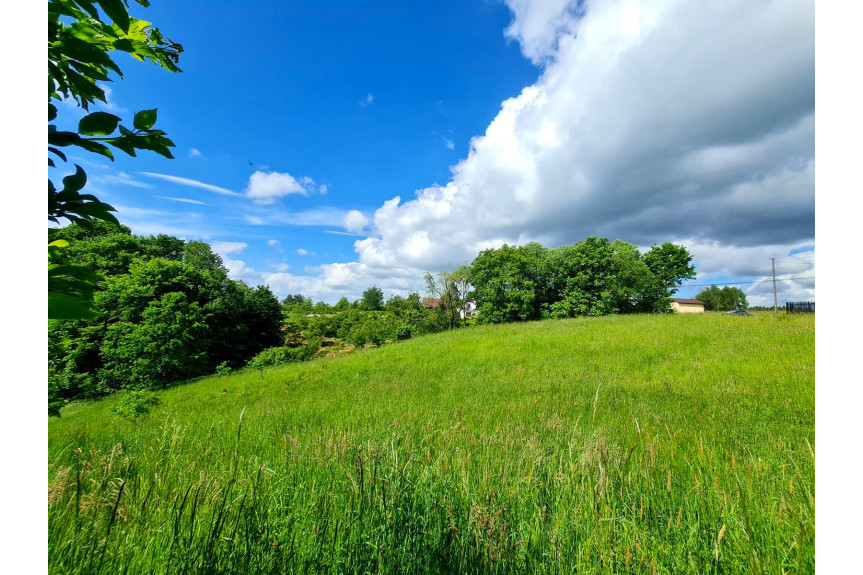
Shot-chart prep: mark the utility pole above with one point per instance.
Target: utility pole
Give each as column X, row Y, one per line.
column 773, row 268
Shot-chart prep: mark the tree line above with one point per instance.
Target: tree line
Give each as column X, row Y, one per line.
column 167, row 312
column 589, row 278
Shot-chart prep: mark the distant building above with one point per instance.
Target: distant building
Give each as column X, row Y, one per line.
column 469, row 309
column 431, row 303
column 683, row 305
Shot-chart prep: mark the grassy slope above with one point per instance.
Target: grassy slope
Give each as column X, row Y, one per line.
column 635, row 443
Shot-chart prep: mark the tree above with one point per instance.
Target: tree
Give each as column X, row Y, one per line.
column 80, row 44
column 670, row 265
column 505, row 284
column 444, row 288
column 169, row 313
column 373, row 299
column 724, row 299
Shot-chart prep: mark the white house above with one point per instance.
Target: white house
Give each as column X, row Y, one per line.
column 468, row 310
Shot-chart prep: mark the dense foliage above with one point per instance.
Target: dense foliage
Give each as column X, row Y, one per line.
column 590, row 278
column 81, row 41
column 365, row 321
column 723, row 299
column 169, row 313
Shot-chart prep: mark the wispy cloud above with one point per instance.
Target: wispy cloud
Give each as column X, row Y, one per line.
column 196, row 153
column 119, row 178
column 338, row 233
column 223, row 248
column 368, row 101
column 450, row 145
column 316, row 217
column 184, row 200
column 303, row 252
column 192, row 183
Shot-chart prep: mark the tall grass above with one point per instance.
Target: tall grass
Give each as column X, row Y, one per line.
column 635, row 444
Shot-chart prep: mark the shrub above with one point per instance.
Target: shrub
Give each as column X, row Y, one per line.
column 280, row 355
column 403, row 332
column 133, row 404
column 223, row 368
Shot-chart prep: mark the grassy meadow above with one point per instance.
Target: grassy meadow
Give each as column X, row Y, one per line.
column 630, row 444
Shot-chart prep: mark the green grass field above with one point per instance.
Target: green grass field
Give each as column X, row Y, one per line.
column 632, row 444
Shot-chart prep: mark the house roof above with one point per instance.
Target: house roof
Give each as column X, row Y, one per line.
column 431, row 303
column 685, row 300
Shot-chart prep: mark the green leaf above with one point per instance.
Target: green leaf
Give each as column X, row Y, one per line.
column 76, row 181
column 57, row 152
column 98, row 124
column 68, row 306
column 145, row 119
column 116, row 11
column 95, row 147
column 52, row 112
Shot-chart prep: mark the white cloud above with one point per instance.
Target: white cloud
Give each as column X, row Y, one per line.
column 224, row 248
column 273, row 243
column 302, row 252
column 196, row 153
column 184, row 201
column 237, row 269
column 355, row 221
column 266, row 188
column 121, row 178
column 660, row 120
column 450, row 145
column 368, row 101
column 191, row 183
column 315, row 217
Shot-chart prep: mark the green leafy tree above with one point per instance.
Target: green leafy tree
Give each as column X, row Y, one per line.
column 81, row 43
column 723, row 299
column 166, row 317
column 373, row 299
column 505, row 284
column 670, row 264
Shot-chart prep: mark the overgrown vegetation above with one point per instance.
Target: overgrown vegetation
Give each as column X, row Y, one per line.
column 723, row 299
column 627, row 444
column 170, row 313
column 590, row 278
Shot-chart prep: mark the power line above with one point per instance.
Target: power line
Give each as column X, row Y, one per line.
column 741, row 283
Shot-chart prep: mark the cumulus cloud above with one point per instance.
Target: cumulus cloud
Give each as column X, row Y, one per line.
column 237, row 269
column 302, row 252
column 355, row 221
column 266, row 188
column 660, row 120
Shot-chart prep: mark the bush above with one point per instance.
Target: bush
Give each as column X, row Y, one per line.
column 133, row 404
column 403, row 332
column 223, row 368
column 280, row 355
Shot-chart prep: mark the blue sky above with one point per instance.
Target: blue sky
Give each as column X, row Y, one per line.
column 299, row 124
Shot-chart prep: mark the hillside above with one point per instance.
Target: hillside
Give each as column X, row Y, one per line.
column 653, row 443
